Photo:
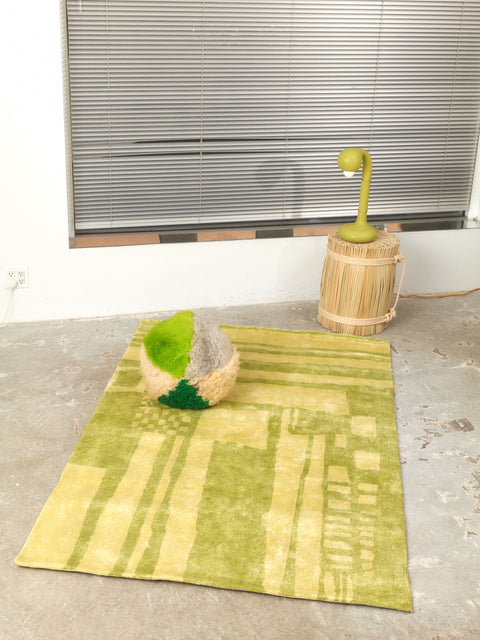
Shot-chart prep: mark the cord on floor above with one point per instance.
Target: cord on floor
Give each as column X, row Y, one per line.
column 447, row 295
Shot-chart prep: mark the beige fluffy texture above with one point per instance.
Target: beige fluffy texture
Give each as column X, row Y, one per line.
column 157, row 382
column 215, row 385
column 211, row 348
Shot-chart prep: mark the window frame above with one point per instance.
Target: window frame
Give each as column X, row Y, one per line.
column 281, row 228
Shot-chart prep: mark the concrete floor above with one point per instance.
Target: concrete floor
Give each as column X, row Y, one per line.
column 53, row 374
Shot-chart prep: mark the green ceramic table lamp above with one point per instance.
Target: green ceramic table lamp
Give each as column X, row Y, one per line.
column 349, row 161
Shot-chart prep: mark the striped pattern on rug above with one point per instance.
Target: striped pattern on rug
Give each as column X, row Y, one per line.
column 290, row 486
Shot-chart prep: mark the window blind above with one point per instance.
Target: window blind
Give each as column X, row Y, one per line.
column 225, row 112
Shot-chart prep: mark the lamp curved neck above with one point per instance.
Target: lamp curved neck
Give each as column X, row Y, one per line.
column 365, row 185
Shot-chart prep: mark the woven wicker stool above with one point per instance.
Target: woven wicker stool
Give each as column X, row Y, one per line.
column 357, row 284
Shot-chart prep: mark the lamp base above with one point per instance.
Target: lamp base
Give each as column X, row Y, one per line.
column 356, row 298
column 357, row 232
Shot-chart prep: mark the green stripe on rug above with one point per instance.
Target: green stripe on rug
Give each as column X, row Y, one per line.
column 290, row 486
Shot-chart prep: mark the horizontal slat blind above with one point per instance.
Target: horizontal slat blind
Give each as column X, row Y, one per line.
column 187, row 112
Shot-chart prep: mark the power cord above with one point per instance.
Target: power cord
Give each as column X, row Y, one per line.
column 12, row 284
column 447, row 295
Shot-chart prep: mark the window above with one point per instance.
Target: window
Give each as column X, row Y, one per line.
column 197, row 114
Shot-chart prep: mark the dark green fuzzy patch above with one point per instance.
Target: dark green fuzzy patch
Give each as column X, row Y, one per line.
column 184, row 396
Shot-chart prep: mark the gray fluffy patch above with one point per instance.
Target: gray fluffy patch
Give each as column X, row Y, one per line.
column 211, row 348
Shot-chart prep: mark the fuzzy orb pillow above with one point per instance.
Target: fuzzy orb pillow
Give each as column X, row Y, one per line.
column 188, row 362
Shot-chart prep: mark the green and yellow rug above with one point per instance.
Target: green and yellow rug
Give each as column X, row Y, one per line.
column 290, row 486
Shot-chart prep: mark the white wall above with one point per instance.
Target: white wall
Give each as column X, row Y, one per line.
column 66, row 283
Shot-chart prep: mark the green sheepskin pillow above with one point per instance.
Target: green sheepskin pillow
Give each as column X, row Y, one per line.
column 188, row 362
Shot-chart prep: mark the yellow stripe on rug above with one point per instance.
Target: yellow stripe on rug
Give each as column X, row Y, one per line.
column 317, row 340
column 58, row 526
column 112, row 528
column 217, row 425
column 289, row 378
column 289, row 464
column 259, row 356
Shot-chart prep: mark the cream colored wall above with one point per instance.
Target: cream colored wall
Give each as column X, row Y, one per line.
column 66, row 283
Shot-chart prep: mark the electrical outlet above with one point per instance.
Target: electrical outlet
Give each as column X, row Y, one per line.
column 19, row 274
